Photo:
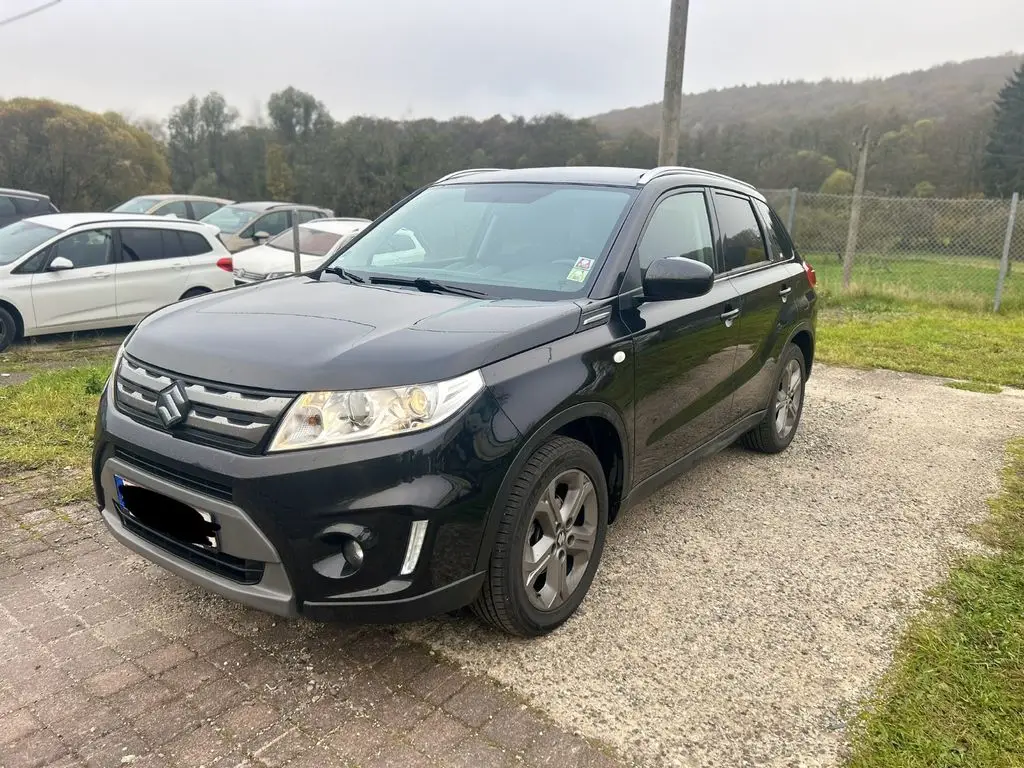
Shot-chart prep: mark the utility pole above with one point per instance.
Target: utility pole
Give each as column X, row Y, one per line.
column 672, row 101
column 858, row 193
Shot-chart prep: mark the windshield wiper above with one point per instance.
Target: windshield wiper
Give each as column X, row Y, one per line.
column 344, row 274
column 427, row 286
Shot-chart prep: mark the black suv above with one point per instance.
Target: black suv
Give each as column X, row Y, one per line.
column 381, row 441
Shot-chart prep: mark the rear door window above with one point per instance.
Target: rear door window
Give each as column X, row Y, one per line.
column 742, row 243
column 142, row 245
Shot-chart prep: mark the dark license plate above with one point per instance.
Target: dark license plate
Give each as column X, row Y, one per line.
column 166, row 516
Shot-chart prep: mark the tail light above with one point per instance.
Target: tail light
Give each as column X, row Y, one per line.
column 812, row 277
column 226, row 264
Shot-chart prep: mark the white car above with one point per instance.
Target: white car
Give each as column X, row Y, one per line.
column 318, row 241
column 80, row 271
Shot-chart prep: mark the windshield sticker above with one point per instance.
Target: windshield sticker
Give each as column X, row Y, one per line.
column 580, row 270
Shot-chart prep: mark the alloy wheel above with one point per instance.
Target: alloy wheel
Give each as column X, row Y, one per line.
column 788, row 398
column 560, row 540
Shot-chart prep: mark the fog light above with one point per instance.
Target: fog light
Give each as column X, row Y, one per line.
column 412, row 550
column 353, row 554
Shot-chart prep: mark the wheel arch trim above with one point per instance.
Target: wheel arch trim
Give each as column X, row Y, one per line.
column 536, row 438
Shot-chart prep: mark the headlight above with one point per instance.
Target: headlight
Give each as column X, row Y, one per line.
column 329, row 418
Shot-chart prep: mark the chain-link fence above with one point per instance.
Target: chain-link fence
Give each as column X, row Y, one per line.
column 922, row 250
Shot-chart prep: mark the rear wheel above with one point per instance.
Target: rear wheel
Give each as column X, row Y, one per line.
column 549, row 541
column 8, row 329
column 778, row 428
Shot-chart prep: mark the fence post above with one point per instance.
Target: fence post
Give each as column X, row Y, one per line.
column 791, row 216
column 1004, row 263
column 858, row 193
column 296, row 254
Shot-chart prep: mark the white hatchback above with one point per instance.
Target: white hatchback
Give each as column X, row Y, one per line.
column 80, row 271
column 318, row 241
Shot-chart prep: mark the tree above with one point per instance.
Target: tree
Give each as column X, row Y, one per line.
column 839, row 182
column 82, row 160
column 1002, row 168
column 185, row 144
column 280, row 179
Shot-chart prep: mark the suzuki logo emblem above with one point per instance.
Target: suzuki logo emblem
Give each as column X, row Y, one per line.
column 172, row 405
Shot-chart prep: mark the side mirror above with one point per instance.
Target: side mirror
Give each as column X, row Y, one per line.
column 60, row 264
column 261, row 236
column 677, row 278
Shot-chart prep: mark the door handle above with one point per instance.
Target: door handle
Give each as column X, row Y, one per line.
column 784, row 292
column 179, row 265
column 100, row 275
column 728, row 316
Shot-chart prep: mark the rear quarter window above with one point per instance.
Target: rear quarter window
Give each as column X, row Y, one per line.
column 778, row 239
column 194, row 244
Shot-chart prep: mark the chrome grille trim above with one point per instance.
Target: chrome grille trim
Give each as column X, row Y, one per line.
column 227, row 417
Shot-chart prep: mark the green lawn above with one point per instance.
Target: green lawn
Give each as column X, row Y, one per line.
column 955, row 694
column 924, row 339
column 953, row 282
column 46, row 425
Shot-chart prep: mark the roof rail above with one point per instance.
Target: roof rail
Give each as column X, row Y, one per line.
column 665, row 170
column 457, row 174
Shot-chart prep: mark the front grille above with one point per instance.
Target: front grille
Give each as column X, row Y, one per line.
column 226, row 417
column 228, row 566
column 193, row 482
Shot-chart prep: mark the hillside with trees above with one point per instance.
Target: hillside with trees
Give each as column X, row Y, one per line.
column 932, row 135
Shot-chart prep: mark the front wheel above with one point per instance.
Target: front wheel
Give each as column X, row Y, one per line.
column 549, row 541
column 778, row 428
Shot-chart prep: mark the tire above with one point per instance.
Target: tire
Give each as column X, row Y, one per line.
column 559, row 470
column 775, row 433
column 193, row 292
column 8, row 329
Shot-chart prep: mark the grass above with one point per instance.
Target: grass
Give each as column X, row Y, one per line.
column 962, row 283
column 46, row 425
column 975, row 386
column 924, row 339
column 955, row 694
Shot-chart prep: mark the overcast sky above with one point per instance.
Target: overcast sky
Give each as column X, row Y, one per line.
column 418, row 58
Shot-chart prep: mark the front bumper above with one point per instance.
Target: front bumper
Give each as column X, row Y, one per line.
column 286, row 517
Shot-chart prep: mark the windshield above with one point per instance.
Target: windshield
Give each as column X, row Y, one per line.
column 21, row 237
column 230, row 219
column 541, row 241
column 136, row 205
column 311, row 241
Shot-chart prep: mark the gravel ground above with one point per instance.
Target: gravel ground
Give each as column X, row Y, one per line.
column 740, row 615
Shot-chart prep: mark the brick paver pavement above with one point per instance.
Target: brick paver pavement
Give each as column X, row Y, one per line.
column 108, row 660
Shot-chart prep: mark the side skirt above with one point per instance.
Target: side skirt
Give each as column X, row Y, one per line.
column 645, row 488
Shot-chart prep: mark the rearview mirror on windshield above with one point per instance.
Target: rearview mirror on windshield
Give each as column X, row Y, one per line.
column 677, row 278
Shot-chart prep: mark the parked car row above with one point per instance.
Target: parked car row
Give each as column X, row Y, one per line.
column 85, row 271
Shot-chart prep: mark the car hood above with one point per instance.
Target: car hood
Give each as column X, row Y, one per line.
column 301, row 334
column 262, row 260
